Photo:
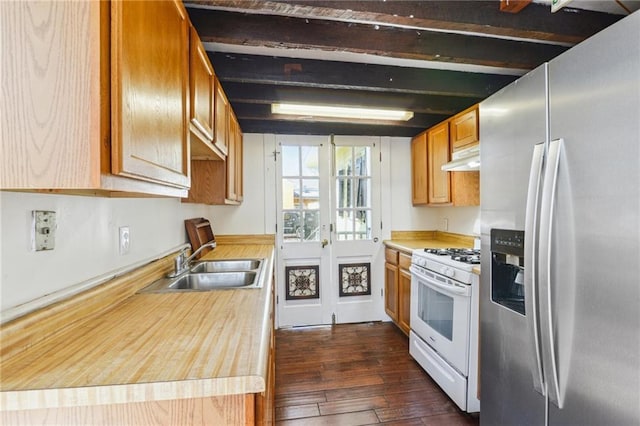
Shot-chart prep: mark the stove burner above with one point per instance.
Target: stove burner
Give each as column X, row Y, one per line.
column 464, row 255
column 439, row 252
column 472, row 259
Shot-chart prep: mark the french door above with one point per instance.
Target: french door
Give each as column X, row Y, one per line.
column 328, row 191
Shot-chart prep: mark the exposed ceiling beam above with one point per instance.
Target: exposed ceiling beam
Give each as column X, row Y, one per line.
column 323, row 128
column 474, row 17
column 293, row 33
column 333, row 75
column 249, row 93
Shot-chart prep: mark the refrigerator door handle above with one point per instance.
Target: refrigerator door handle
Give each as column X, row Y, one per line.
column 544, row 272
column 530, row 262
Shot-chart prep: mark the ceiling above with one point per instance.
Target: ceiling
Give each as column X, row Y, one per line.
column 434, row 58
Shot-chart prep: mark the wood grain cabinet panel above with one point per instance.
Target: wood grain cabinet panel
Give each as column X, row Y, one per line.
column 201, row 97
column 150, row 84
column 221, row 118
column 391, row 284
column 234, row 161
column 419, row 173
column 58, row 106
column 438, row 154
column 464, row 129
column 404, row 300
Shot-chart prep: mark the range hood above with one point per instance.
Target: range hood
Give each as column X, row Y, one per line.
column 464, row 160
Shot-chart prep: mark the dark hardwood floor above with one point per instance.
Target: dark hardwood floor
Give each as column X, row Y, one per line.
column 356, row 374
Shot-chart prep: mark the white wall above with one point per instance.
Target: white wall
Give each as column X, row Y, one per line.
column 256, row 214
column 86, row 241
column 87, row 234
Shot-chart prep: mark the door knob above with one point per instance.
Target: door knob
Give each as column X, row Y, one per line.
column 324, row 242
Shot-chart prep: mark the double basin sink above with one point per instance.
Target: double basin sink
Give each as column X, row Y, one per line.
column 213, row 275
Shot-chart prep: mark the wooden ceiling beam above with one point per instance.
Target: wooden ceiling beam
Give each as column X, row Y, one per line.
column 323, row 128
column 331, row 36
column 269, row 93
column 479, row 17
column 356, row 76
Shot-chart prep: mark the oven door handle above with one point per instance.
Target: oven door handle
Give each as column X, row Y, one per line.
column 452, row 290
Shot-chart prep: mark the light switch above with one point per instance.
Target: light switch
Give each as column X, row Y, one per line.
column 43, row 230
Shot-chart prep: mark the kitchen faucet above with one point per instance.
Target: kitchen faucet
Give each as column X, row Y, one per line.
column 181, row 265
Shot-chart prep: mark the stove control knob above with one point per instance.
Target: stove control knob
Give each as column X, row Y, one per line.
column 450, row 272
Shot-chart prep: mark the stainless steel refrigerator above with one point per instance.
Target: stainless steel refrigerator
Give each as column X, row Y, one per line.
column 560, row 213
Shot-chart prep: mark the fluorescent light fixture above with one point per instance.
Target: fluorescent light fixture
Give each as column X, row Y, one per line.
column 341, row 112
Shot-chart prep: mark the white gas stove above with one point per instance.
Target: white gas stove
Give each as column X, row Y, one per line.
column 444, row 320
column 456, row 263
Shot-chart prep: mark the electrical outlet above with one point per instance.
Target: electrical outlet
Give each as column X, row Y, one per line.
column 445, row 224
column 125, row 240
column 43, row 230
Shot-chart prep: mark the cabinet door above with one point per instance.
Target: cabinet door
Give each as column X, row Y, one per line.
column 202, row 84
column 404, row 299
column 419, row 189
column 239, row 164
column 391, row 291
column 150, row 91
column 231, row 193
column 438, row 154
column 222, row 118
column 464, row 129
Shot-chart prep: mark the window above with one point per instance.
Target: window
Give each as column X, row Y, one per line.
column 353, row 192
column 300, row 193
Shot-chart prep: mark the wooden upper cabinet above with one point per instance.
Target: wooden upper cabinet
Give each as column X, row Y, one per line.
column 464, row 129
column 221, row 118
column 234, row 161
column 220, row 182
column 438, row 149
column 150, row 82
column 202, row 89
column 62, row 139
column 419, row 173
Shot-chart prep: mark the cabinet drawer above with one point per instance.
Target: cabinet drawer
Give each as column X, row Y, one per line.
column 405, row 260
column 391, row 256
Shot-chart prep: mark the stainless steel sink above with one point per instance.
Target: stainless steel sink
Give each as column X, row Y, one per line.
column 215, row 280
column 214, row 275
column 225, row 265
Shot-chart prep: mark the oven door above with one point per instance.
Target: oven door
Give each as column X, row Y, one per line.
column 440, row 312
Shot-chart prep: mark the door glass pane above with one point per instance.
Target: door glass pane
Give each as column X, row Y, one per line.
column 362, row 225
column 361, row 193
column 292, row 226
column 343, row 193
column 291, row 193
column 290, row 160
column 436, row 309
column 344, row 225
column 310, row 194
column 311, row 230
column 343, row 161
column 353, row 192
column 361, row 163
column 309, row 160
column 300, row 193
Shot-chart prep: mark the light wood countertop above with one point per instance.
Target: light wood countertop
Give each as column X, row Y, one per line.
column 407, row 241
column 151, row 346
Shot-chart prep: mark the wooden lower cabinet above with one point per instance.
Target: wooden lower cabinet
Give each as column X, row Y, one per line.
column 391, row 291
column 404, row 293
column 397, row 286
